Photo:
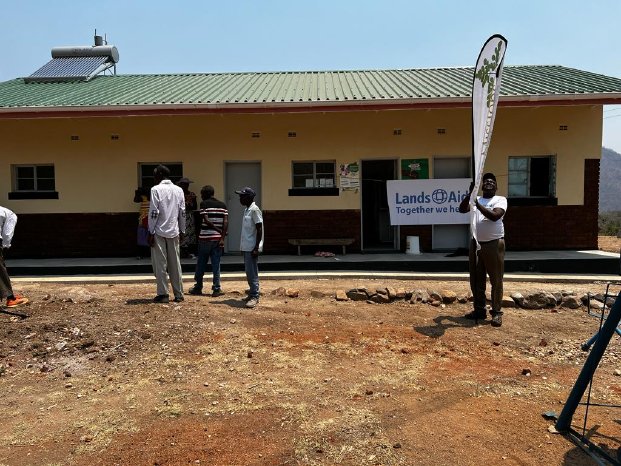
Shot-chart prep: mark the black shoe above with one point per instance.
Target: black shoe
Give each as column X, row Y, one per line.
column 195, row 291
column 161, row 298
column 496, row 320
column 216, row 293
column 178, row 299
column 476, row 315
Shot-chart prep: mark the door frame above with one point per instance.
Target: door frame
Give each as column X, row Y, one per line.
column 396, row 229
column 230, row 189
column 466, row 231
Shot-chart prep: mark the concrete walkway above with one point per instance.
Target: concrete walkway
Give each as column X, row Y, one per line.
column 557, row 266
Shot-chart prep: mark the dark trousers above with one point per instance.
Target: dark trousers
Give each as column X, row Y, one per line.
column 491, row 262
column 5, row 282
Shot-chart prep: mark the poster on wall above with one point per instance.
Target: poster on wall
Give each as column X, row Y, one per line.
column 414, row 169
column 350, row 176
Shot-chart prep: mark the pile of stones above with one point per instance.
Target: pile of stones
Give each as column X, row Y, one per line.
column 532, row 300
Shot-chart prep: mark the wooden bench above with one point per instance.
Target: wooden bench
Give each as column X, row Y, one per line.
column 344, row 242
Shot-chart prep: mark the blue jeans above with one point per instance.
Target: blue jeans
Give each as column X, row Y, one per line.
column 251, row 264
column 208, row 250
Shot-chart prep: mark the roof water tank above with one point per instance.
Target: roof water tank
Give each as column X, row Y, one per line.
column 81, row 51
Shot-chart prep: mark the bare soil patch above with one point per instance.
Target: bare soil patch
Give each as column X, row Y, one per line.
column 609, row 243
column 98, row 375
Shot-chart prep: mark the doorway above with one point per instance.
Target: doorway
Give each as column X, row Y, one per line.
column 377, row 233
column 450, row 237
column 236, row 176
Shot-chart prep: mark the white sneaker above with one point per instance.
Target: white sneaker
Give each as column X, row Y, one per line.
column 252, row 302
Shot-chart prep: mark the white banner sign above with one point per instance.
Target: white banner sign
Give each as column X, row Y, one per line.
column 485, row 93
column 427, row 202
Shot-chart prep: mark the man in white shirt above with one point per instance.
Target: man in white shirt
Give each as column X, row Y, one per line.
column 251, row 242
column 166, row 223
column 490, row 258
column 8, row 220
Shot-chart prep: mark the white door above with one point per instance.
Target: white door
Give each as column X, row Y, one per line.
column 239, row 175
column 450, row 237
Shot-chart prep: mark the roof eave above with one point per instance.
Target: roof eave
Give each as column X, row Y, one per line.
column 304, row 106
column 604, row 98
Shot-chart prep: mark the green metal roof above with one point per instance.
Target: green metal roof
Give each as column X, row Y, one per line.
column 290, row 89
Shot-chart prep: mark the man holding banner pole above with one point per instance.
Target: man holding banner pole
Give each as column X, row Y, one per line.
column 487, row 246
column 488, row 257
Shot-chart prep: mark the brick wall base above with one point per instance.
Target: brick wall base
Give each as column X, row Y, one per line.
column 557, row 227
column 282, row 225
column 75, row 235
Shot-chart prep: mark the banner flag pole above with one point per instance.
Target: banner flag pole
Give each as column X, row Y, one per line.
column 485, row 93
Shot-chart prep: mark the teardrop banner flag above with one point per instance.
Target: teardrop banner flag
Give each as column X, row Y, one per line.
column 485, row 92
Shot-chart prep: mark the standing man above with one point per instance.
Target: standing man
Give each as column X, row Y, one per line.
column 8, row 220
column 251, row 243
column 166, row 222
column 490, row 259
column 214, row 224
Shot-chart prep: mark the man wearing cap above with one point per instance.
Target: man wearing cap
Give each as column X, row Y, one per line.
column 251, row 242
column 490, row 258
column 166, row 223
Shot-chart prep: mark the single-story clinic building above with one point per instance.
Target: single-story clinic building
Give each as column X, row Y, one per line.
column 318, row 147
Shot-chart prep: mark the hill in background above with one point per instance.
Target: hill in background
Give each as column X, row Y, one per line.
column 610, row 181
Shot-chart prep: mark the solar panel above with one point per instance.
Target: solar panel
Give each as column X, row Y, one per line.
column 70, row 69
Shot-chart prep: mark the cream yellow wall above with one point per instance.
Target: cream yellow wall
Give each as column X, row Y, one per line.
column 98, row 174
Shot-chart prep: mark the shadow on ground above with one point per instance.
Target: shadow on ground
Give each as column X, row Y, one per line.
column 440, row 327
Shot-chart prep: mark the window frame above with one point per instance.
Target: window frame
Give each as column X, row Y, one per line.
column 316, row 175
column 36, row 192
column 176, row 172
column 529, row 199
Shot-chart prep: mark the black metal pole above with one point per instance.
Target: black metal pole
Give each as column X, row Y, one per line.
column 12, row 313
column 590, row 365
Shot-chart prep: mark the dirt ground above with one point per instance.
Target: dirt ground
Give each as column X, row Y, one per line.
column 609, row 243
column 99, row 375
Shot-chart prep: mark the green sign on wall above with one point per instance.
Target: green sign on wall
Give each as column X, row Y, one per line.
column 414, row 169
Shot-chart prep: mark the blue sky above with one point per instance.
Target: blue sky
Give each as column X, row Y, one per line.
column 276, row 35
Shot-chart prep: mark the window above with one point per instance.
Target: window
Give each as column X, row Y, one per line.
column 314, row 174
column 145, row 173
column 533, row 177
column 314, row 178
column 33, row 182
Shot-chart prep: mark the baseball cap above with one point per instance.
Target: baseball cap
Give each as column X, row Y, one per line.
column 246, row 192
column 185, row 180
column 489, row 176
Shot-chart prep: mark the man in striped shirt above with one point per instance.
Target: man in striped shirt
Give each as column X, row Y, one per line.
column 214, row 221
